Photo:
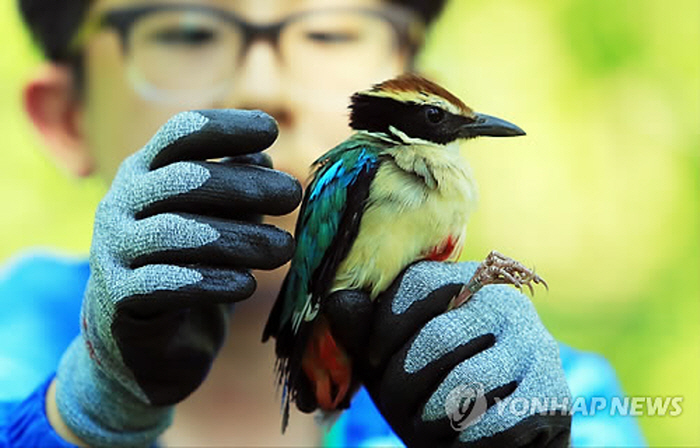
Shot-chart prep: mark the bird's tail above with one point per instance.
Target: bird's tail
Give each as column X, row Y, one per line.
column 327, row 366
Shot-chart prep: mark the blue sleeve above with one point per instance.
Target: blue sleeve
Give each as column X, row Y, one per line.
column 594, row 387
column 589, row 377
column 40, row 297
column 24, row 424
column 362, row 426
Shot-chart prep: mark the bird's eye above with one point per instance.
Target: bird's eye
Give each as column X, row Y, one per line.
column 434, row 114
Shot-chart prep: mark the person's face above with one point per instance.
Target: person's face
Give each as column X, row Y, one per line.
column 304, row 83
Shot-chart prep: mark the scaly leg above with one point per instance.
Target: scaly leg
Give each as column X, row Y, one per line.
column 497, row 269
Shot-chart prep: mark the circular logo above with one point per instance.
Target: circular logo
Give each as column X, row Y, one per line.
column 465, row 405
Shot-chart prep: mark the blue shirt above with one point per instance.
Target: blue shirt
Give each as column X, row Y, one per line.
column 40, row 296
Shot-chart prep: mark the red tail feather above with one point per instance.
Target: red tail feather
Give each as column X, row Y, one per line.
column 327, row 366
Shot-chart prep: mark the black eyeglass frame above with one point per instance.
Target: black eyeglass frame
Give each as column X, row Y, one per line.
column 407, row 24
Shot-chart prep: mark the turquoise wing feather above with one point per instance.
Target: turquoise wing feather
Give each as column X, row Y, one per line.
column 341, row 174
column 326, row 228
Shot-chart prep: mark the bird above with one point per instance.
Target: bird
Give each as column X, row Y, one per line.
column 396, row 191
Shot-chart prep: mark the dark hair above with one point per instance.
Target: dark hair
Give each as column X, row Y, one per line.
column 53, row 22
column 429, row 10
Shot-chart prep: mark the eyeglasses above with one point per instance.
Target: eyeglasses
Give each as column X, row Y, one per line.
column 180, row 53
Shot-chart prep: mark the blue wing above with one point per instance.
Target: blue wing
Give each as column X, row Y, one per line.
column 327, row 226
column 325, row 230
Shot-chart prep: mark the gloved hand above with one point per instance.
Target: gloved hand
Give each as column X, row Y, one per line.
column 174, row 241
column 464, row 378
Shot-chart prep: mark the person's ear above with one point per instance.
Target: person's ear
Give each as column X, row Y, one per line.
column 56, row 111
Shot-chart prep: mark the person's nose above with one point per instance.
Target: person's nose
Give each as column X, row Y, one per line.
column 259, row 83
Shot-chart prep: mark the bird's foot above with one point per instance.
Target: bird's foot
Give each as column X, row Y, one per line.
column 497, row 269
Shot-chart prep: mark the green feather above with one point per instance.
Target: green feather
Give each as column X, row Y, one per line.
column 322, row 210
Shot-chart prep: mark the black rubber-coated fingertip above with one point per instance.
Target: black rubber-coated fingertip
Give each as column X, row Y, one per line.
column 224, row 133
column 350, row 315
column 218, row 285
column 234, row 191
column 256, row 158
column 239, row 245
column 254, row 123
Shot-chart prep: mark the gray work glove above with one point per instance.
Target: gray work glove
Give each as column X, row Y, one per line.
column 174, row 241
column 463, row 378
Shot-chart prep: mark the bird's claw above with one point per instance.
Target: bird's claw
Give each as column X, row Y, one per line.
column 498, row 269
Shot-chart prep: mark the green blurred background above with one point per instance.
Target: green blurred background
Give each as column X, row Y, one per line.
column 603, row 196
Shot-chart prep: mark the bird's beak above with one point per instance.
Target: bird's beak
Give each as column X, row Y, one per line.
column 486, row 125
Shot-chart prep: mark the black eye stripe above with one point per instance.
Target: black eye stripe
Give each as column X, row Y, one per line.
column 377, row 114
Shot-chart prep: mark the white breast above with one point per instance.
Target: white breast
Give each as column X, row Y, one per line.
column 407, row 215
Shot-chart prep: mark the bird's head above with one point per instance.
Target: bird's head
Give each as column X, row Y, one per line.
column 410, row 109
